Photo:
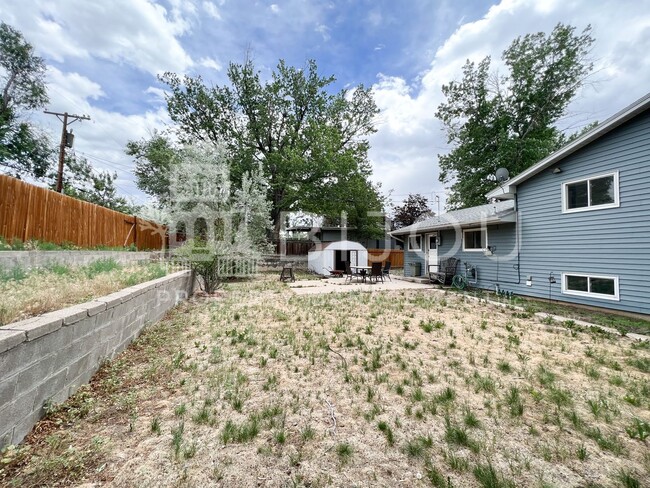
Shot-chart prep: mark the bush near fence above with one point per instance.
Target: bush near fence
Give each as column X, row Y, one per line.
column 30, row 212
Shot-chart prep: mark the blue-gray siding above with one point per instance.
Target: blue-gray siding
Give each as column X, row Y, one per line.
column 613, row 241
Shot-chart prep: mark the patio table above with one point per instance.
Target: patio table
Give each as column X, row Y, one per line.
column 361, row 271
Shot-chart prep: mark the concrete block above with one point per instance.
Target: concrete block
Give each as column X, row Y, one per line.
column 74, row 315
column 114, row 299
column 7, row 390
column 46, row 390
column 83, row 328
column 11, row 338
column 39, row 326
column 22, row 356
column 66, row 355
column 94, row 307
column 5, row 438
column 25, row 426
column 79, row 366
column 34, row 375
column 11, row 414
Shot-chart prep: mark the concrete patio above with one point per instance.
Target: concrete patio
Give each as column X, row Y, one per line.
column 340, row 285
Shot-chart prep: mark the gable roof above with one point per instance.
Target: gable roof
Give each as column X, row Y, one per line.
column 508, row 188
column 491, row 213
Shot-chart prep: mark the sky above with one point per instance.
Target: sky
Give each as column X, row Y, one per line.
column 103, row 58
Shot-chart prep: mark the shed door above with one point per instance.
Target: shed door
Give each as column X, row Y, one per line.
column 431, row 247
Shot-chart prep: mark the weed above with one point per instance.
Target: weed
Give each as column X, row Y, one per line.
column 582, row 453
column 605, row 443
column 177, row 438
column 514, row 402
column 308, row 433
column 434, row 476
column 202, row 417
column 240, row 433
column 456, row 462
column 627, row 479
column 387, row 431
column 457, row 435
column 101, row 266
column 180, row 410
column 504, row 366
column 417, row 446
column 344, row 452
column 545, row 376
column 485, row 384
column 470, row 419
column 642, row 364
column 560, row 397
column 447, row 395
column 155, row 426
column 417, row 395
column 640, row 429
column 488, row 477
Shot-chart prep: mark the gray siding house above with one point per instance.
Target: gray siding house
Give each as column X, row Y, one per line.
column 574, row 227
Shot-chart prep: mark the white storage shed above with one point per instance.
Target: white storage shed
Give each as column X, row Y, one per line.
column 323, row 258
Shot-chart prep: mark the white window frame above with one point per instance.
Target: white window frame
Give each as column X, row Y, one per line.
column 414, row 239
column 589, row 294
column 474, row 229
column 588, row 208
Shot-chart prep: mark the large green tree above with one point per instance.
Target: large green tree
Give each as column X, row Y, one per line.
column 311, row 143
column 154, row 160
column 509, row 120
column 24, row 150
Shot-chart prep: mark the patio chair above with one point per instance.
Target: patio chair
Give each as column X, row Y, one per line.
column 446, row 272
column 376, row 272
column 386, row 271
column 348, row 272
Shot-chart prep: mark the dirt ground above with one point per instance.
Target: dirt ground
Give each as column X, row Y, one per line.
column 263, row 387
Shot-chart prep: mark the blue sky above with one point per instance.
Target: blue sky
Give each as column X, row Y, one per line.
column 103, row 58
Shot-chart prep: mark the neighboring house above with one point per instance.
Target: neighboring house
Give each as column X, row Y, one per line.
column 575, row 226
column 325, row 234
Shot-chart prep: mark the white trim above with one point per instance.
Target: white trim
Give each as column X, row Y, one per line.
column 415, row 237
column 427, row 243
column 589, row 208
column 485, row 244
column 589, row 294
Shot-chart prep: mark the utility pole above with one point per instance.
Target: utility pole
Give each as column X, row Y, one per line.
column 66, row 141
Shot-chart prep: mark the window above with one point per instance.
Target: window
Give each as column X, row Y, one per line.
column 605, row 287
column 433, row 241
column 474, row 239
column 590, row 194
column 415, row 243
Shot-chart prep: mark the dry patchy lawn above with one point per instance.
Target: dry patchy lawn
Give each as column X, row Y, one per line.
column 28, row 293
column 260, row 387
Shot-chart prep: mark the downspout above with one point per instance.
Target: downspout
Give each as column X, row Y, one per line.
column 518, row 265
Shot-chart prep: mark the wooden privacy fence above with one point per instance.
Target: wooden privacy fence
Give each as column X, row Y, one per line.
column 395, row 256
column 31, row 212
column 293, row 248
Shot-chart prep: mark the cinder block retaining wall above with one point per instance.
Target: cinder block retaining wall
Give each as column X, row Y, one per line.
column 47, row 358
column 38, row 259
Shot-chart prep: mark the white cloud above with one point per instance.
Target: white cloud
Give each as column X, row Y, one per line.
column 212, row 10
column 136, row 32
column 324, row 31
column 275, row 8
column 210, row 63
